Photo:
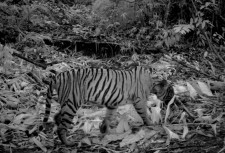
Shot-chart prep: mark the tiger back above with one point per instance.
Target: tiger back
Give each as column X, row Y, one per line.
column 107, row 87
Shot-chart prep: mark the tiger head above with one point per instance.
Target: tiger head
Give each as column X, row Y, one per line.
column 163, row 90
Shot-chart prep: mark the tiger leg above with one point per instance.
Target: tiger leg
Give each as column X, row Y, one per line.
column 141, row 108
column 64, row 121
column 104, row 127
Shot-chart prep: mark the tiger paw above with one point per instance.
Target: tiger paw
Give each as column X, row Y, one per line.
column 104, row 127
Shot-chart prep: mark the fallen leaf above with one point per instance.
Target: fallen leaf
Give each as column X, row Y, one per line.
column 39, row 144
column 202, row 133
column 204, row 88
column 87, row 126
column 124, row 109
column 114, row 137
column 214, row 128
column 205, row 119
column 218, row 118
column 177, row 127
column 130, row 139
column 96, row 140
column 96, row 122
column 179, row 89
column 22, row 117
column 133, row 147
column 171, row 135
column 86, row 140
column 168, row 109
column 192, row 91
column 149, row 133
column 185, row 131
column 123, row 125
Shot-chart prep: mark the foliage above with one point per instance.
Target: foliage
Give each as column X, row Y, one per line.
column 31, row 28
column 144, row 23
column 146, row 20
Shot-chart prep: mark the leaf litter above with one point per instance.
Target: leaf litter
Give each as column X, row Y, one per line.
column 194, row 110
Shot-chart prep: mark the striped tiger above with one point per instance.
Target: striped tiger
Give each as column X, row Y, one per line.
column 107, row 87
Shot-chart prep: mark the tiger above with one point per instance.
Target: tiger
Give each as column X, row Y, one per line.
column 108, row 87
